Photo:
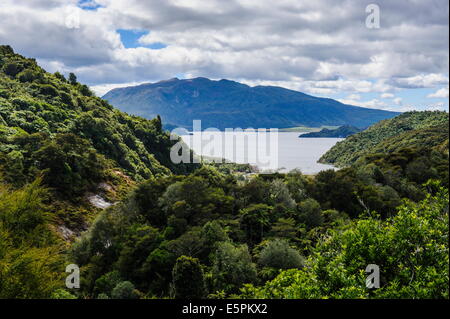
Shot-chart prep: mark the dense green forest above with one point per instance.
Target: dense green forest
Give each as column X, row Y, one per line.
column 206, row 230
column 409, row 130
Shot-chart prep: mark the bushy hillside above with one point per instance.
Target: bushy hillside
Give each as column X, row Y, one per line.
column 56, row 126
column 228, row 104
column 411, row 129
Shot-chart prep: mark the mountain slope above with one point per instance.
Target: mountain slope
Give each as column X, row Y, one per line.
column 227, row 104
column 408, row 130
column 57, row 127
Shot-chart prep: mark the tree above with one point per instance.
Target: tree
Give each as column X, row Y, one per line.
column 59, row 76
column 255, row 221
column 70, row 163
column 255, row 191
column 62, row 294
column 213, row 233
column 279, row 194
column 188, row 279
column 278, row 254
column 284, row 228
column 411, row 248
column 12, row 69
column 310, row 213
column 124, row 290
column 232, row 267
column 30, row 267
column 85, row 90
column 72, row 79
column 106, row 283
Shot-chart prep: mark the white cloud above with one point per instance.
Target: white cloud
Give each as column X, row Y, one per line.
column 421, row 81
column 372, row 104
column 398, row 101
column 319, row 47
column 102, row 89
column 354, row 97
column 441, row 93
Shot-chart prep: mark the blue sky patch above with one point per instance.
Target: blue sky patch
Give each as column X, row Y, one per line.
column 88, row 5
column 130, row 39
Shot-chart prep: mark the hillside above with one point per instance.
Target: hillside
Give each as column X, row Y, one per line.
column 183, row 231
column 408, row 130
column 56, row 125
column 341, row 132
column 228, row 104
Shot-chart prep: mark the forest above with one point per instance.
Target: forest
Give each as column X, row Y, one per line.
column 208, row 230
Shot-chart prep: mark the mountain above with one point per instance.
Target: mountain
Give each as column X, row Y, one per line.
column 228, row 104
column 409, row 130
column 341, row 132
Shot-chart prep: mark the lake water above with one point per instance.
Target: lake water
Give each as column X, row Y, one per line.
column 283, row 151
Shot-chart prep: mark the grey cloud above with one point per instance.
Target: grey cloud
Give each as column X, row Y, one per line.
column 254, row 40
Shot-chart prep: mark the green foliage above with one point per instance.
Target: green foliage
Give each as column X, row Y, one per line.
column 39, row 102
column 410, row 129
column 125, row 290
column 22, row 213
column 72, row 79
column 310, row 213
column 30, row 264
column 255, row 221
column 62, row 294
column 232, row 268
column 410, row 248
column 107, row 282
column 279, row 255
column 188, row 280
column 188, row 235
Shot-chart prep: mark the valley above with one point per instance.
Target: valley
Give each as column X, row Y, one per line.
column 84, row 183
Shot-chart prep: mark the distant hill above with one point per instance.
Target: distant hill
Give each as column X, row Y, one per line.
column 228, row 104
column 341, row 132
column 408, row 130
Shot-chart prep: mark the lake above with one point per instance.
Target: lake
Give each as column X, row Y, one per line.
column 283, row 151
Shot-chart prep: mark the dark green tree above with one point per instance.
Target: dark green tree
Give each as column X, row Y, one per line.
column 72, row 79
column 278, row 254
column 124, row 290
column 188, row 279
column 254, row 221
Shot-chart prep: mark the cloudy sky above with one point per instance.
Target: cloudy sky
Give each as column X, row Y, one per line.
column 320, row 47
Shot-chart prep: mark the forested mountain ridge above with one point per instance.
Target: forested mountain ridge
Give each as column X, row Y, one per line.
column 228, row 104
column 411, row 129
column 61, row 146
column 49, row 123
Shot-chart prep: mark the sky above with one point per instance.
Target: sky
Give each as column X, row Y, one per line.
column 321, row 47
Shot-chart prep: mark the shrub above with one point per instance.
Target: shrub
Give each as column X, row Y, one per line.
column 278, row 254
column 124, row 290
